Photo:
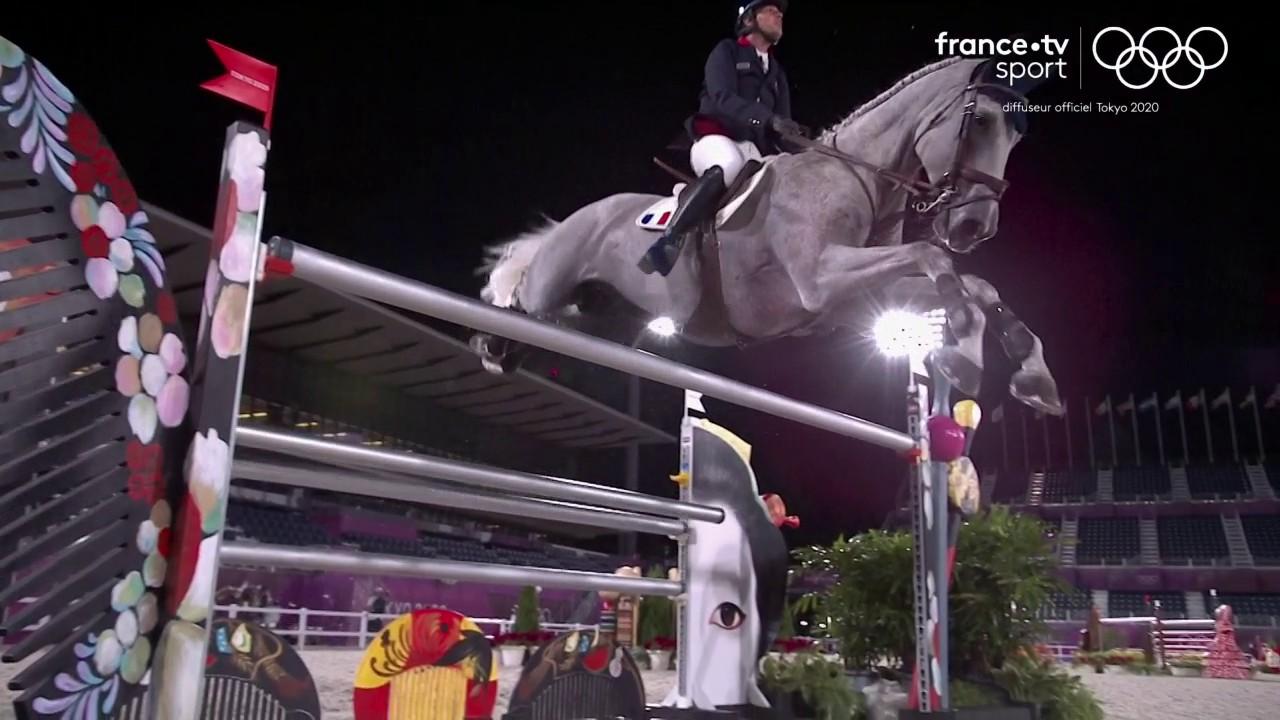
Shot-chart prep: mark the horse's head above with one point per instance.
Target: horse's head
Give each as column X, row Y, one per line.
column 964, row 147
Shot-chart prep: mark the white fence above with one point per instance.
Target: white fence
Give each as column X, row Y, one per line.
column 299, row 623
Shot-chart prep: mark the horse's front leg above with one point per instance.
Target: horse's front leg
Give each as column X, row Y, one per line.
column 839, row 275
column 1032, row 383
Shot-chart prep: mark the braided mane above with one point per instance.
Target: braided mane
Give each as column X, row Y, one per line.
column 885, row 96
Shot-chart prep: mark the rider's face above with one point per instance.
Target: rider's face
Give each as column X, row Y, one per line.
column 769, row 23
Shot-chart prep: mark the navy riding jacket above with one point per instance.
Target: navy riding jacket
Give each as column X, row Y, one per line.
column 738, row 97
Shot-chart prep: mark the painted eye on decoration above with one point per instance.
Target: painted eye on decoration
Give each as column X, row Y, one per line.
column 728, row 616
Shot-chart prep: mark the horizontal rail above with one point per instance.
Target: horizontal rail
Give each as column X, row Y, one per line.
column 418, row 491
column 522, row 483
column 342, row 275
column 358, row 563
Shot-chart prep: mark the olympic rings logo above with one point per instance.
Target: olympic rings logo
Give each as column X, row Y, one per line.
column 1159, row 66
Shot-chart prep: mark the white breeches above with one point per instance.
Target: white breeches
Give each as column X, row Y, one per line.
column 719, row 150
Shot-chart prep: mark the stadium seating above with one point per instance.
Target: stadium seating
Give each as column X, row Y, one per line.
column 274, row 525
column 1251, row 609
column 1073, row 605
column 1069, row 485
column 291, row 527
column 1217, row 482
column 1194, row 540
column 1263, row 534
column 1143, row 483
column 1173, row 605
column 1108, row 541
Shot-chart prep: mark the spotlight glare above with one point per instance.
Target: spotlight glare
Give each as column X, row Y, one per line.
column 662, row 326
column 899, row 333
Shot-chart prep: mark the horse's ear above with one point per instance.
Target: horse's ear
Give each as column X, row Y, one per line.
column 983, row 72
column 988, row 73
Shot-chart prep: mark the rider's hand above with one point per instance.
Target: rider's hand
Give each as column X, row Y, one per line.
column 786, row 126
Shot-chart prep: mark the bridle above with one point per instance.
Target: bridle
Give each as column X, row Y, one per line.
column 932, row 198
column 940, row 193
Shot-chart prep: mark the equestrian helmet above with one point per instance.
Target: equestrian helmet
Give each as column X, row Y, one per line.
column 750, row 8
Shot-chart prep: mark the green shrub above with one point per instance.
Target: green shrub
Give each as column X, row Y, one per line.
column 1030, row 679
column 787, row 629
column 820, row 682
column 1004, row 573
column 527, row 615
column 657, row 614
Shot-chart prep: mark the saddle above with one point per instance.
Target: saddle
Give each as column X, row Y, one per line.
column 657, row 216
column 712, row 311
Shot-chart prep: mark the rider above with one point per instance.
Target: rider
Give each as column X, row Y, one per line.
column 744, row 109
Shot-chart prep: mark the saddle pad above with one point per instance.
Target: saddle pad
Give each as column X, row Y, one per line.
column 658, row 215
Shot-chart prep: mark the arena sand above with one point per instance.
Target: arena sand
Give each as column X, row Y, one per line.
column 1123, row 696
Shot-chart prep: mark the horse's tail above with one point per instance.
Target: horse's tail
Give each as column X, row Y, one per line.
column 506, row 263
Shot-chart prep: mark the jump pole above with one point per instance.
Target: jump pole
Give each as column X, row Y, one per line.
column 360, row 563
column 345, row 276
column 412, row 490
column 313, row 448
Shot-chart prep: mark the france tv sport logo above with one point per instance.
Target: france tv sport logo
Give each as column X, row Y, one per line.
column 1160, row 65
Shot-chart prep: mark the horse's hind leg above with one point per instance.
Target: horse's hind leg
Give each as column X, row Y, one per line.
column 1032, row 383
column 544, row 291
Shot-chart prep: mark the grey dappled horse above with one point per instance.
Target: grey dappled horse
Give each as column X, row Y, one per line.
column 822, row 231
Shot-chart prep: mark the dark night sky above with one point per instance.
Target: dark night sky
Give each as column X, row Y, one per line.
column 1140, row 247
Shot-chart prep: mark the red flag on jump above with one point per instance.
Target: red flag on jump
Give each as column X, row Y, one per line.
column 248, row 80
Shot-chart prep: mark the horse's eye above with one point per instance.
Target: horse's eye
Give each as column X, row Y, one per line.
column 981, row 120
column 728, row 616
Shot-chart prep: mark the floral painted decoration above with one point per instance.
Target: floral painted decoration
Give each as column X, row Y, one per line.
column 61, row 143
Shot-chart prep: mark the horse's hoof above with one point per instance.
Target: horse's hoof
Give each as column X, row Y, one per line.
column 963, row 374
column 480, row 346
column 1038, row 391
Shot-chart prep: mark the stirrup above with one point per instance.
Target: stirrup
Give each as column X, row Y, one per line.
column 661, row 257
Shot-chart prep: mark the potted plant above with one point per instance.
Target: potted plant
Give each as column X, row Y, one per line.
column 1186, row 666
column 657, row 620
column 511, row 648
column 1004, row 574
column 660, row 649
column 1120, row 659
column 525, row 633
column 787, row 647
column 805, row 685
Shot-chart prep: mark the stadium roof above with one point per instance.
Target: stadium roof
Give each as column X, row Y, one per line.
column 300, row 321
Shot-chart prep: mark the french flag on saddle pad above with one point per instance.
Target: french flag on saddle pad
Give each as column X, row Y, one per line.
column 651, row 219
column 657, row 215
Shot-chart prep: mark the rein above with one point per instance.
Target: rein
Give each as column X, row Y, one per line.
column 931, row 197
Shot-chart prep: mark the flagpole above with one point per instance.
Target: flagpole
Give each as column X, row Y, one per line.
column 1182, row 427
column 1156, row 410
column 1208, row 435
column 1088, row 429
column 1231, row 423
column 1004, row 440
column 1066, row 425
column 1026, row 453
column 1111, row 420
column 1257, row 426
column 1044, row 428
column 1137, row 441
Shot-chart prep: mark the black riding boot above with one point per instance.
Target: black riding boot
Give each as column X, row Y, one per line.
column 697, row 202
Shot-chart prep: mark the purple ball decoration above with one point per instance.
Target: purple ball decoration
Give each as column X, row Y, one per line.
column 946, row 439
